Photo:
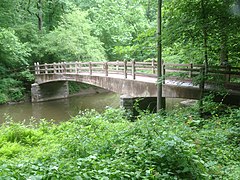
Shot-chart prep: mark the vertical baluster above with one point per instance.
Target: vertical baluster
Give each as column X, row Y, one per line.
column 79, row 67
column 64, row 68
column 61, row 67
column 54, row 68
column 76, row 67
column 90, row 68
column 117, row 66
column 191, row 71
column 163, row 73
column 35, row 68
column 125, row 69
column 153, row 67
column 46, row 68
column 133, row 69
column 106, row 68
column 228, row 75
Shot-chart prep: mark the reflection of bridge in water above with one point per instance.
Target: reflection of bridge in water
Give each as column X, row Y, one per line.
column 136, row 79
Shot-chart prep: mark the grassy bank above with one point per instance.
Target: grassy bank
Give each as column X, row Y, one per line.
column 179, row 145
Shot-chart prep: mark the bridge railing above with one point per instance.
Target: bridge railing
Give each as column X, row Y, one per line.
column 132, row 69
column 214, row 76
column 125, row 68
column 189, row 71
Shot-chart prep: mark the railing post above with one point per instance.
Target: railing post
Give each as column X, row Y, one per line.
column 76, row 67
column 191, row 71
column 133, row 69
column 61, row 67
column 125, row 69
column 79, row 67
column 228, row 75
column 153, row 67
column 90, row 68
column 106, row 68
column 46, row 68
column 54, row 68
column 35, row 68
column 38, row 68
column 117, row 66
column 71, row 68
column 64, row 68
column 163, row 73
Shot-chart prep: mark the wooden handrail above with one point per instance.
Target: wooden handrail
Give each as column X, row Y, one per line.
column 132, row 68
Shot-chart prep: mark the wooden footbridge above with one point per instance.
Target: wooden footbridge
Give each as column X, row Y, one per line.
column 137, row 79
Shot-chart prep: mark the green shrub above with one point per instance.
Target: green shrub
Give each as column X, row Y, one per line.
column 176, row 145
column 3, row 98
column 75, row 87
column 16, row 94
column 12, row 90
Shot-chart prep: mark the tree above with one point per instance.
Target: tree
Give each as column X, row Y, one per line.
column 117, row 24
column 72, row 40
column 209, row 23
column 12, row 52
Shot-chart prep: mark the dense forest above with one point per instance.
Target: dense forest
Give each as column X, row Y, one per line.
column 44, row 31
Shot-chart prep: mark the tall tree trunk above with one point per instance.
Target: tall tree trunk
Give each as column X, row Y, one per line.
column 40, row 15
column 161, row 102
column 205, row 34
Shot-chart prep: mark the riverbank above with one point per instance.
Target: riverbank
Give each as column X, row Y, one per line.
column 177, row 145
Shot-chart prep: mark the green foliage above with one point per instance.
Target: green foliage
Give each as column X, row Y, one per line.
column 11, row 90
column 72, row 40
column 75, row 87
column 190, row 23
column 3, row 98
column 26, row 75
column 118, row 24
column 179, row 145
column 12, row 52
column 143, row 47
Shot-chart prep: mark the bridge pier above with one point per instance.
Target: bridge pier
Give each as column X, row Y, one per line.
column 49, row 91
column 135, row 104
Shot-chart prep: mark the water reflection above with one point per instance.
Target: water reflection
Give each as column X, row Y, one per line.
column 59, row 110
column 62, row 110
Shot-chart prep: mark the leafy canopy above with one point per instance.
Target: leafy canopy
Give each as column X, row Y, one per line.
column 72, row 40
column 12, row 51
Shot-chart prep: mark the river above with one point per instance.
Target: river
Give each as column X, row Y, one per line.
column 63, row 109
column 59, row 110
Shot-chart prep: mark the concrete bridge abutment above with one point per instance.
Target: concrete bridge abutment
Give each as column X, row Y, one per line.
column 49, row 91
column 133, row 105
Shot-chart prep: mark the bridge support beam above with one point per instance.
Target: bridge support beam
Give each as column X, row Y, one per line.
column 49, row 91
column 133, row 105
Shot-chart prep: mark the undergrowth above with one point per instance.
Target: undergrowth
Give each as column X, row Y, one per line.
column 176, row 145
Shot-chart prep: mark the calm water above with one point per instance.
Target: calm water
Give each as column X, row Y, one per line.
column 59, row 110
column 62, row 110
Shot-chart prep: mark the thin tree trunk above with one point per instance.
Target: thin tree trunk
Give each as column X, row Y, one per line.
column 40, row 15
column 160, row 99
column 205, row 34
